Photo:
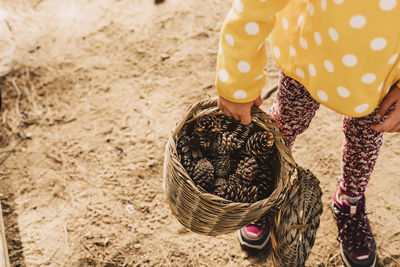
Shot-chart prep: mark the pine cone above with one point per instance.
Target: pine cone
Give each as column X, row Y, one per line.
column 203, row 174
column 265, row 185
column 222, row 165
column 237, row 192
column 229, row 190
column 207, row 125
column 249, row 194
column 188, row 162
column 260, row 145
column 185, row 142
column 230, row 142
column 247, row 170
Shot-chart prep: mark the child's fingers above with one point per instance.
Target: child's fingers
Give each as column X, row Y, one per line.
column 245, row 114
column 258, row 102
column 392, row 97
column 227, row 113
column 387, row 102
column 396, row 128
column 390, row 123
column 246, row 119
column 220, row 106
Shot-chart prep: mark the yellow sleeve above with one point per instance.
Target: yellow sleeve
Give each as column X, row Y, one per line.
column 242, row 55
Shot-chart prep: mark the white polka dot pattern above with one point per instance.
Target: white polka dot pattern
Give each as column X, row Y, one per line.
column 310, row 9
column 343, row 63
column 300, row 72
column 361, row 108
column 238, row 6
column 349, row 60
column 387, row 5
column 240, row 94
column 277, row 52
column 329, row 66
column 322, row 96
column 378, row 44
column 358, row 21
column 388, row 88
column 243, row 66
column 259, row 77
column 303, row 43
column 312, row 70
column 393, row 59
column 300, row 20
column 229, row 39
column 252, row 28
column 260, row 46
column 380, row 87
column 285, row 23
column 368, row 78
column 292, row 51
column 324, row 4
column 343, row 92
column 318, row 38
column 223, row 75
column 333, row 34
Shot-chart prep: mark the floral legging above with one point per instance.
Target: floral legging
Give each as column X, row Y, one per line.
column 294, row 108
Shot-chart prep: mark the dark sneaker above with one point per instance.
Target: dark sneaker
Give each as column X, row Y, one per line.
column 256, row 235
column 357, row 244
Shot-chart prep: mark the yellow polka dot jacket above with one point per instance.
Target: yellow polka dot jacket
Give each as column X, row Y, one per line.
column 345, row 52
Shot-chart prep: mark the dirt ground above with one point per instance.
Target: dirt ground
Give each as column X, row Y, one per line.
column 96, row 89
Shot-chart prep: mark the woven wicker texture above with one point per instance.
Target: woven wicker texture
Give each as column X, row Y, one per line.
column 296, row 223
column 209, row 214
column 297, row 196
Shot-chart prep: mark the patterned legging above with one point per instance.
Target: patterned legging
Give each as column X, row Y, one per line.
column 294, row 108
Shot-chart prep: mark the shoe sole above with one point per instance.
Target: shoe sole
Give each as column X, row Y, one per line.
column 247, row 245
column 347, row 263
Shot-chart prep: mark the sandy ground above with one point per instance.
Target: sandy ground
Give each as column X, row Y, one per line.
column 96, row 89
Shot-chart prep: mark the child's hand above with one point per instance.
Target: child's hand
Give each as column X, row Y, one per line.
column 392, row 123
column 239, row 111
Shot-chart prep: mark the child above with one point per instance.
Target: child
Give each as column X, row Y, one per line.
column 340, row 53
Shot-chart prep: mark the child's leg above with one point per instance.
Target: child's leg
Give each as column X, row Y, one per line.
column 360, row 152
column 293, row 108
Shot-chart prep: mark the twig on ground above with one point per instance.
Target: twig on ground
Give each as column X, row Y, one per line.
column 16, row 88
column 9, row 149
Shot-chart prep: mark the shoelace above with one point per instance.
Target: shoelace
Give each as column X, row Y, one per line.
column 265, row 220
column 354, row 232
column 260, row 223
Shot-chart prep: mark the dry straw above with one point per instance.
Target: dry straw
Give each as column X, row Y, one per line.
column 297, row 196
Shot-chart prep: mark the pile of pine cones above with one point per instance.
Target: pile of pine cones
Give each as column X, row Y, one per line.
column 227, row 158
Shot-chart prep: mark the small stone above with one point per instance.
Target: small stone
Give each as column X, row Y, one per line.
column 164, row 57
column 129, row 208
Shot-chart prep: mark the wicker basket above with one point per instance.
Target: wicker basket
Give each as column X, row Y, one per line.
column 296, row 200
column 296, row 223
column 209, row 214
